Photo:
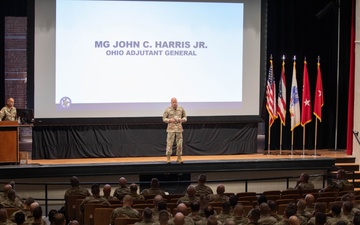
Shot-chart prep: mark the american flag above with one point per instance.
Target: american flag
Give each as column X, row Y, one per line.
column 281, row 104
column 271, row 95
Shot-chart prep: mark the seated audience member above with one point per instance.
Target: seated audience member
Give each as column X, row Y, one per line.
column 208, row 211
column 160, row 206
column 320, row 218
column 75, row 190
column 189, row 197
column 154, row 188
column 265, row 217
column 233, row 200
column 340, row 183
column 51, row 216
column 59, row 219
column 107, row 193
column 253, row 216
column 163, row 217
column 12, row 201
column 4, row 195
column 290, row 210
column 294, row 220
column 336, row 216
column 219, row 196
column 134, row 193
column 273, row 210
column 319, row 207
column 212, row 220
column 94, row 198
column 239, row 214
column 182, row 208
column 195, row 211
column 261, row 199
column 204, row 202
column 225, row 213
column 37, row 216
column 301, row 213
column 125, row 211
column 155, row 209
column 309, row 200
column 303, row 183
column 25, row 209
column 179, row 219
column 201, row 187
column 4, row 217
column 19, row 218
column 347, row 210
column 147, row 218
column 122, row 190
column 356, row 220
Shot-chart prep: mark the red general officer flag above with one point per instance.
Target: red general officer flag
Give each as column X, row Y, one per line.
column 319, row 97
column 306, row 98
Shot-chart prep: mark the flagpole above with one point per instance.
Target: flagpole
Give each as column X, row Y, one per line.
column 280, row 137
column 303, row 140
column 315, row 135
column 269, row 132
column 292, row 142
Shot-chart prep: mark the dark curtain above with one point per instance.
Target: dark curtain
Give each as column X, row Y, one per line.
column 54, row 142
column 309, row 29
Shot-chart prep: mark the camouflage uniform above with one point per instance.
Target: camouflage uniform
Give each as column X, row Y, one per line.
column 241, row 220
column 203, row 189
column 8, row 114
column 188, row 221
column 195, row 216
column 174, row 129
column 309, row 210
column 334, row 220
column 76, row 191
column 7, row 222
column 276, row 216
column 187, row 199
column 12, row 204
column 110, row 198
column 267, row 220
column 338, row 185
column 218, row 198
column 136, row 196
column 150, row 222
column 305, row 186
column 121, row 192
column 283, row 222
column 153, row 191
column 303, row 217
column 25, row 211
column 124, row 211
column 224, row 216
column 93, row 199
column 155, row 214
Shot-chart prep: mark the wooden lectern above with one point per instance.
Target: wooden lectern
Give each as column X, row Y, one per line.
column 9, row 142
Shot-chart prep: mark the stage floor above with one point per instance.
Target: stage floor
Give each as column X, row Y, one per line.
column 261, row 161
column 261, row 155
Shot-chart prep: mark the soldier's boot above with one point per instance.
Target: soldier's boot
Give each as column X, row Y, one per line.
column 168, row 159
column 179, row 159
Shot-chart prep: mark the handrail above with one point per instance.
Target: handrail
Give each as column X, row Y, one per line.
column 247, row 180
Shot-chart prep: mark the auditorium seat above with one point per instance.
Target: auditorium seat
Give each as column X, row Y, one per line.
column 102, row 216
column 246, row 194
column 248, row 198
column 71, row 206
column 125, row 221
column 272, row 197
column 89, row 212
column 273, row 192
column 281, row 208
column 11, row 210
column 284, row 201
column 290, row 192
column 291, row 196
column 328, row 194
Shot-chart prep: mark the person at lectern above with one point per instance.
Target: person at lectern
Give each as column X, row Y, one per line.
column 174, row 116
column 8, row 112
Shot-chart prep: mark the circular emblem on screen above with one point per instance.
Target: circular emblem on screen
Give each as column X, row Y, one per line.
column 65, row 102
